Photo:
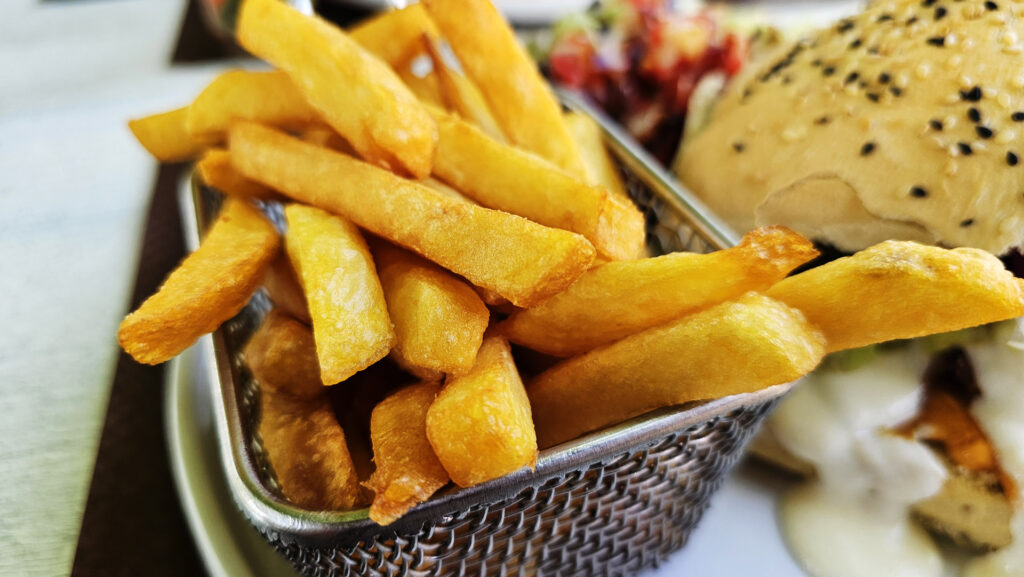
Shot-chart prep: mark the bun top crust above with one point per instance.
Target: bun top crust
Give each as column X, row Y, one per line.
column 917, row 107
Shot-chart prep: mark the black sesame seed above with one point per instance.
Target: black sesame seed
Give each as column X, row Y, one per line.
column 990, row 5
column 918, row 192
column 936, row 124
column 787, row 79
column 1012, row 159
column 828, row 70
column 856, row 43
column 884, row 18
column 845, row 26
column 884, row 78
column 966, row 222
column 972, row 95
column 940, row 13
column 867, row 149
column 873, row 96
column 938, row 41
column 739, row 146
column 862, row 84
column 851, row 77
column 984, row 131
column 1017, row 116
column 974, row 114
column 874, row 50
column 816, row 62
column 911, row 20
column 928, row 3
column 896, row 91
column 821, row 120
column 965, row 149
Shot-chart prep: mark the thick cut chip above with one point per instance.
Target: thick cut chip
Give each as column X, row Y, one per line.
column 439, row 319
column 480, row 425
column 282, row 356
column 308, row 452
column 735, row 347
column 460, row 94
column 350, row 318
column 283, row 287
column 598, row 165
column 215, row 170
column 267, row 97
column 621, row 230
column 209, row 286
column 354, row 91
column 396, row 37
column 506, row 178
column 903, row 290
column 518, row 96
column 165, row 137
column 518, row 259
column 408, row 471
column 617, row 299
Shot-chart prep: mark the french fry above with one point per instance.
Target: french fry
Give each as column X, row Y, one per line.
column 209, row 286
column 267, row 97
column 215, row 170
column 480, row 425
column 425, row 86
column 506, row 178
column 520, row 260
column 165, row 137
column 438, row 186
column 354, row 91
column 439, row 320
column 598, row 166
column 499, row 66
column 408, row 472
column 637, row 295
column 621, row 230
column 283, row 287
column 734, row 347
column 396, row 36
column 460, row 94
column 902, row 290
column 308, row 452
column 350, row 318
column 282, row 356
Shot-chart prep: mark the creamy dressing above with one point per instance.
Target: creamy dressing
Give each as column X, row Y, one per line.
column 854, row 519
column 1000, row 412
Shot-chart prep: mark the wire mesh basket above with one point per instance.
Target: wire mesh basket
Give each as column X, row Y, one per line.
column 610, row 503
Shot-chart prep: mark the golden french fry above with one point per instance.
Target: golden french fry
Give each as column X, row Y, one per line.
column 408, row 472
column 621, row 230
column 308, row 452
column 499, row 66
column 350, row 318
column 282, row 356
column 506, row 178
column 209, row 286
column 617, row 299
column 425, row 86
column 283, row 287
column 439, row 320
column 460, row 94
column 902, row 290
column 598, row 165
column 520, row 260
column 215, row 170
column 354, row 91
column 395, row 36
column 436, row 185
column 267, row 97
column 164, row 136
column 480, row 425
column 734, row 347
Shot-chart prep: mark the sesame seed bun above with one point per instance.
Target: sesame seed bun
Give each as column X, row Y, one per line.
column 905, row 122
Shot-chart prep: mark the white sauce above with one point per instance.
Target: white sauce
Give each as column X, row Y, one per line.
column 1000, row 412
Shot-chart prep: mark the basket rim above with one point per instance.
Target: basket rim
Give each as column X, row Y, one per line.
column 280, row 520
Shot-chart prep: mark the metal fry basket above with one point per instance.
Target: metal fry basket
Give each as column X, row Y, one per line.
column 611, row 503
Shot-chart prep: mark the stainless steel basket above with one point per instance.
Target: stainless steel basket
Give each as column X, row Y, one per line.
column 611, row 503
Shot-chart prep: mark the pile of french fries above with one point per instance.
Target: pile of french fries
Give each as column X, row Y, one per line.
column 433, row 218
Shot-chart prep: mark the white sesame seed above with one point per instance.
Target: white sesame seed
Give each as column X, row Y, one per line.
column 1004, row 99
column 954, row 151
column 923, row 70
column 965, row 81
column 979, row 146
column 1015, row 49
column 950, row 121
column 793, row 133
column 990, row 92
column 1006, row 136
column 951, row 40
